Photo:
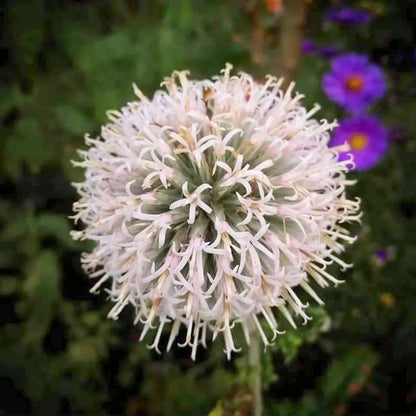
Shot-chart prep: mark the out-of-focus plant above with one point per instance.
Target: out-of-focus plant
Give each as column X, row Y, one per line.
column 344, row 379
column 69, row 62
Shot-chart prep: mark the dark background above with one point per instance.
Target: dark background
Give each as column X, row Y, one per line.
column 66, row 63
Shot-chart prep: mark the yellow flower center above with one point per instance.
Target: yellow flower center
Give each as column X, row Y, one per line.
column 388, row 300
column 355, row 83
column 358, row 141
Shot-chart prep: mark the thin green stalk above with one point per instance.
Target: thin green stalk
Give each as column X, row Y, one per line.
column 254, row 363
column 292, row 22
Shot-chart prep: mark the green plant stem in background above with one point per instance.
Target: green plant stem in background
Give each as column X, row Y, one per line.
column 293, row 20
column 254, row 364
column 257, row 32
column 64, row 67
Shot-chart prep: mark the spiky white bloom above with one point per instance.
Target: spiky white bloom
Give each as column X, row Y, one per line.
column 210, row 203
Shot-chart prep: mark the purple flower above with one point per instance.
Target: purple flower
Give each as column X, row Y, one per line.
column 307, row 46
column 348, row 15
column 328, row 51
column 367, row 138
column 354, row 82
column 381, row 255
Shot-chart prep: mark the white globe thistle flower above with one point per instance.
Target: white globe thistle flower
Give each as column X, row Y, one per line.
column 210, row 204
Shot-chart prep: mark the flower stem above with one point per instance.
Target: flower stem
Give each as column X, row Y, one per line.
column 254, row 362
column 257, row 32
column 293, row 19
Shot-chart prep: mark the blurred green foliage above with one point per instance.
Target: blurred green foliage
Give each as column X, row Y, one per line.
column 70, row 61
column 344, row 378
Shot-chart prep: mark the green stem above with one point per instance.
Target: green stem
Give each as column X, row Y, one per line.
column 254, row 362
column 257, row 32
column 293, row 19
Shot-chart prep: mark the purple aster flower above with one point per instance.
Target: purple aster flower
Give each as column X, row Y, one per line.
column 381, row 254
column 367, row 138
column 307, row 46
column 354, row 82
column 328, row 51
column 348, row 15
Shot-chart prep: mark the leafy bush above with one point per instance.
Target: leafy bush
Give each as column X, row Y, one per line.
column 67, row 64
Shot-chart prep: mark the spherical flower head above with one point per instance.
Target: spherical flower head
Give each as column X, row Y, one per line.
column 367, row 139
column 354, row 83
column 210, row 204
column 348, row 15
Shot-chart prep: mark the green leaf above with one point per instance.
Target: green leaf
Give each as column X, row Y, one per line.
column 42, row 294
column 26, row 35
column 292, row 339
column 268, row 373
column 72, row 119
column 93, row 55
column 83, row 351
column 321, row 322
column 9, row 98
column 8, row 285
column 289, row 343
column 179, row 14
column 56, row 226
column 171, row 52
column 17, row 227
column 27, row 144
column 353, row 367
